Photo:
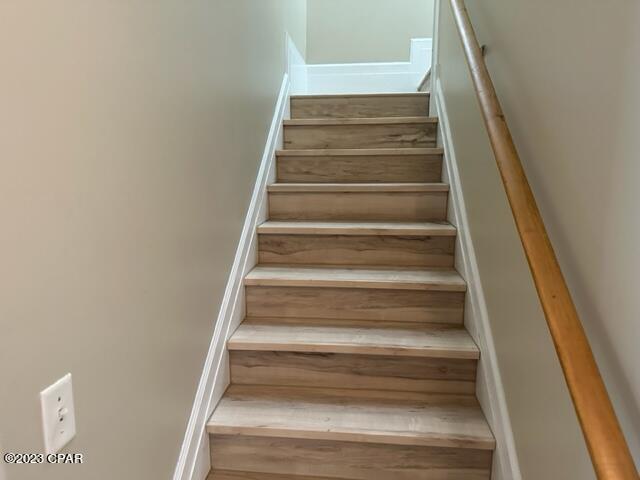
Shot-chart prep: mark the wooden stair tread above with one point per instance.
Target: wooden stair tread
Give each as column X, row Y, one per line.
column 357, row 187
column 417, row 229
column 307, row 122
column 360, row 95
column 354, row 152
column 360, row 132
column 433, row 341
column 432, row 279
column 447, row 421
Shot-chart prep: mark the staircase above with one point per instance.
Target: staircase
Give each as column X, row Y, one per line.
column 353, row 361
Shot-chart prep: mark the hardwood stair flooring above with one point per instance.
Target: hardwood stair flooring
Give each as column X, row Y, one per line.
column 323, row 336
column 355, row 165
column 320, row 414
column 388, row 132
column 405, row 229
column 353, row 362
column 360, row 106
column 410, row 244
column 435, row 280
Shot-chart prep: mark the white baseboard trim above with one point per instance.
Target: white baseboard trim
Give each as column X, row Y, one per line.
column 193, row 461
column 490, row 391
column 382, row 77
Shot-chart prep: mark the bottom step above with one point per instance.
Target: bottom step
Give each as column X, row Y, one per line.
column 233, row 457
column 346, row 415
column 312, row 434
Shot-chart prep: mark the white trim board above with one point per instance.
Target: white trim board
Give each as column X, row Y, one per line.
column 193, row 460
column 382, row 77
column 489, row 389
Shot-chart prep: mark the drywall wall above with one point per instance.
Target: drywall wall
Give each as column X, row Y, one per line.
column 130, row 136
column 547, row 439
column 353, row 31
column 567, row 75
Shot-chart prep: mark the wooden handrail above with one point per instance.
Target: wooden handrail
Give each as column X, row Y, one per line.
column 606, row 443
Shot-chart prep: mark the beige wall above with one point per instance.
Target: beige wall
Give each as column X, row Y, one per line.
column 567, row 76
column 568, row 80
column 130, row 135
column 352, row 31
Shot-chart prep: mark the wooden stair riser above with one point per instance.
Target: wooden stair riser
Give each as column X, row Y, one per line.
column 383, row 417
column 392, row 135
column 346, row 460
column 231, row 475
column 360, row 106
column 439, row 279
column 359, row 169
column 374, row 206
column 372, row 250
column 356, row 303
column 398, row 229
column 374, row 372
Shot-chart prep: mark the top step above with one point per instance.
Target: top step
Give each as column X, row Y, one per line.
column 360, row 105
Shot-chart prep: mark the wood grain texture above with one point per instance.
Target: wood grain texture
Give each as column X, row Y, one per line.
column 430, row 341
column 354, row 287
column 262, row 411
column 373, row 250
column 356, row 303
column 365, row 167
column 357, row 187
column 305, row 134
column 360, row 106
column 367, row 206
column 605, row 441
column 359, row 371
column 358, row 152
column 447, row 280
column 350, row 395
column 306, row 122
column 377, row 356
column 231, row 475
column 346, row 460
column 403, row 229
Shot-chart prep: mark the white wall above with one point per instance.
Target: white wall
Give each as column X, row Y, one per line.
column 354, row 31
column 567, row 75
column 547, row 439
column 130, row 135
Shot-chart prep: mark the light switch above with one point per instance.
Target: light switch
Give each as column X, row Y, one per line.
column 58, row 414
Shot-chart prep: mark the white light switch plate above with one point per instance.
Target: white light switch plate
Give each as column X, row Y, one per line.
column 58, row 414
